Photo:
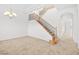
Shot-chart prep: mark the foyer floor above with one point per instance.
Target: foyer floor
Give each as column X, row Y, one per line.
column 33, row 46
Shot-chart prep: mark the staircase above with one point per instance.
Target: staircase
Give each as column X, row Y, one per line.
column 49, row 28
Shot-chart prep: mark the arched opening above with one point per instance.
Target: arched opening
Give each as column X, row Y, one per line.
column 67, row 20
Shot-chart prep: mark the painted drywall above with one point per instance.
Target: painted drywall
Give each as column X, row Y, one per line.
column 63, row 24
column 76, row 24
column 17, row 26
column 55, row 20
column 21, row 26
column 36, row 30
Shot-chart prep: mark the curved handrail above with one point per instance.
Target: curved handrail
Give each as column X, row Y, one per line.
column 48, row 27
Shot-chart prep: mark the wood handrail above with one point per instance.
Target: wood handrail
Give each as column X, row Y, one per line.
column 46, row 26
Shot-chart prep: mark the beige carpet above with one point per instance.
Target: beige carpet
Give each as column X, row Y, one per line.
column 29, row 45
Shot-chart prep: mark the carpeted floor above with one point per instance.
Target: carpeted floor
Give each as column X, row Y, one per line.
column 33, row 46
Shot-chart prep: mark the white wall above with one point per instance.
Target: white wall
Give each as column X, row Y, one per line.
column 76, row 26
column 36, row 30
column 18, row 26
column 54, row 18
column 12, row 28
column 66, row 23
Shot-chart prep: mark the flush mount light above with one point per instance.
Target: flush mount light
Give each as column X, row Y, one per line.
column 10, row 13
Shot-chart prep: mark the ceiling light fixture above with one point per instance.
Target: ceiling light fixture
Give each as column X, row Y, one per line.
column 10, row 13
